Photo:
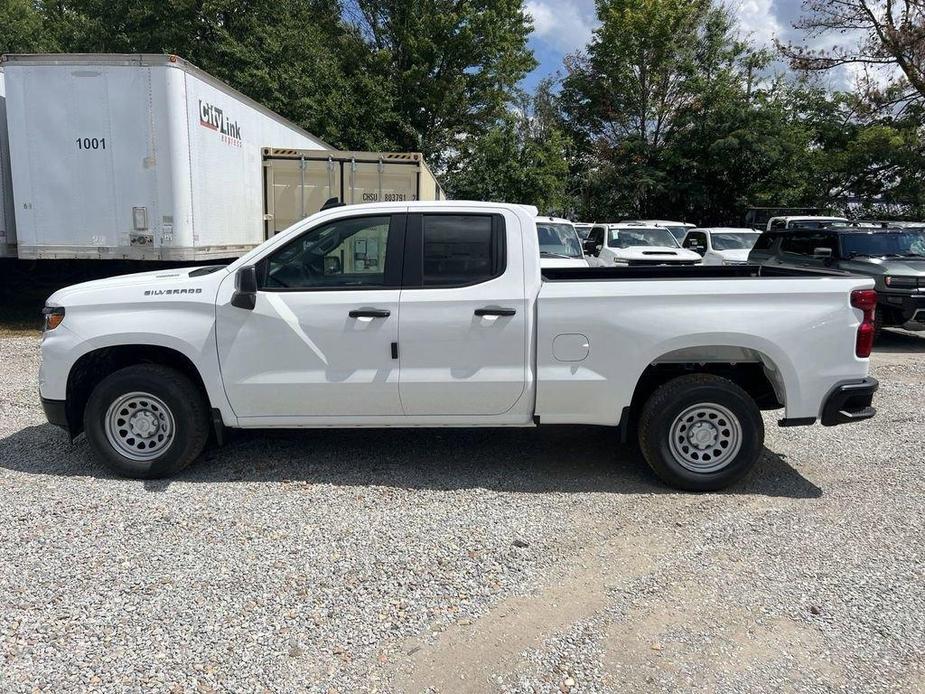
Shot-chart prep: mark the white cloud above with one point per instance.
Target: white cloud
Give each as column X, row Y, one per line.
column 566, row 26
column 757, row 20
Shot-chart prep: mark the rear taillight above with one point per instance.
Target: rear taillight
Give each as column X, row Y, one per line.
column 866, row 300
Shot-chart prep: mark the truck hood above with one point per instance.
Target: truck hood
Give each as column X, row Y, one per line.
column 563, row 262
column 737, row 255
column 187, row 282
column 886, row 266
column 661, row 253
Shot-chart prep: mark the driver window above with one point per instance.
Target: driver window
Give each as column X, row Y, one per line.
column 344, row 253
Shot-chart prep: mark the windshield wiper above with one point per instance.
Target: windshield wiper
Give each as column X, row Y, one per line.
column 550, row 254
column 907, row 255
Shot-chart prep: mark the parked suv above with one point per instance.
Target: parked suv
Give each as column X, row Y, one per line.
column 560, row 245
column 894, row 258
column 634, row 244
column 721, row 245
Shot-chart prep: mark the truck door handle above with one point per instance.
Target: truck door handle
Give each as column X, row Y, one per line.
column 369, row 313
column 495, row 311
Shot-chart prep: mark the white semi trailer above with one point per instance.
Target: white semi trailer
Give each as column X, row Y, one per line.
column 7, row 220
column 141, row 157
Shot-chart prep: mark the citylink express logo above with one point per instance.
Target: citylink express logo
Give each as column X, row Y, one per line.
column 214, row 118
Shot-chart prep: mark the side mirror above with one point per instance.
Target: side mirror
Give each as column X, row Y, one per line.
column 824, row 253
column 245, row 288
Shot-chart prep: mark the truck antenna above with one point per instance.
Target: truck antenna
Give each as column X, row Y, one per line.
column 332, row 202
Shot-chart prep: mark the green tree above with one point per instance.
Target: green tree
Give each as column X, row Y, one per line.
column 648, row 63
column 522, row 159
column 452, row 66
column 22, row 28
column 875, row 159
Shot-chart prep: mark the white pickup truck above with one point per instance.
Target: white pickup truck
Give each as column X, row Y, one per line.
column 437, row 314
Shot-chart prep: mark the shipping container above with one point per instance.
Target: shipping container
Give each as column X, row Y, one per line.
column 298, row 182
column 7, row 221
column 136, row 157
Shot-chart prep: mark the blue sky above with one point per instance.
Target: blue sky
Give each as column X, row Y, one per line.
column 564, row 26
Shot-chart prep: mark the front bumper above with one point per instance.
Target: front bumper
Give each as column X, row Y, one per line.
column 908, row 306
column 56, row 412
column 850, row 402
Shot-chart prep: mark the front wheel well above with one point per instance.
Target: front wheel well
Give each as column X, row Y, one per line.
column 752, row 377
column 94, row 366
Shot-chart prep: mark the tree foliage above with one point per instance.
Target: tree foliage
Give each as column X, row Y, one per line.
column 522, row 158
column 452, row 66
column 675, row 117
column 891, row 35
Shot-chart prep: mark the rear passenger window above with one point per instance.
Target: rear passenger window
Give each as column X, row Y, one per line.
column 805, row 243
column 462, row 249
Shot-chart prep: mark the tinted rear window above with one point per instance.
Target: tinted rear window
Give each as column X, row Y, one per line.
column 460, row 250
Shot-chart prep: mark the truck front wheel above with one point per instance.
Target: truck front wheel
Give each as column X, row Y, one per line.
column 700, row 432
column 146, row 421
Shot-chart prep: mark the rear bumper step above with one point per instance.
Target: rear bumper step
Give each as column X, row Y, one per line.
column 850, row 402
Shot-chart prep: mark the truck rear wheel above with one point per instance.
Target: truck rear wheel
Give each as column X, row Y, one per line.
column 700, row 432
column 146, row 421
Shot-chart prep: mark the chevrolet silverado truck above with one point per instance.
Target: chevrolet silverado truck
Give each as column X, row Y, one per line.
column 438, row 314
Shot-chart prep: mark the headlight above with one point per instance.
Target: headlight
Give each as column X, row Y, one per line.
column 53, row 316
column 894, row 281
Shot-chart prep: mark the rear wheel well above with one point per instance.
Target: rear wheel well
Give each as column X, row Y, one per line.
column 94, row 366
column 750, row 376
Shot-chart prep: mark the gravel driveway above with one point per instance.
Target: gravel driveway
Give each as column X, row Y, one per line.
column 465, row 560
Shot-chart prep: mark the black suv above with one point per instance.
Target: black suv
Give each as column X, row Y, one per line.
column 893, row 258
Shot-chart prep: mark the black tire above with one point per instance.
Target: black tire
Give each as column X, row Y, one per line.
column 688, row 394
column 180, row 401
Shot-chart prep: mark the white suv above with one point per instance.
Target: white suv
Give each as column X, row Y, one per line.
column 560, row 245
column 721, row 245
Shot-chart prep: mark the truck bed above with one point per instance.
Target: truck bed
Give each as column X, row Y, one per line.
column 692, row 272
column 596, row 325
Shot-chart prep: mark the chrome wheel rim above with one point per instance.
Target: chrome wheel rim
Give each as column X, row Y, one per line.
column 139, row 426
column 705, row 437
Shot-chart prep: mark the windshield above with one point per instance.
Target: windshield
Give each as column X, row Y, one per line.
column 627, row 238
column 877, row 245
column 558, row 239
column 678, row 232
column 734, row 242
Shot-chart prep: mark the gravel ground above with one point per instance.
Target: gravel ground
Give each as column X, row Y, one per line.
column 465, row 560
